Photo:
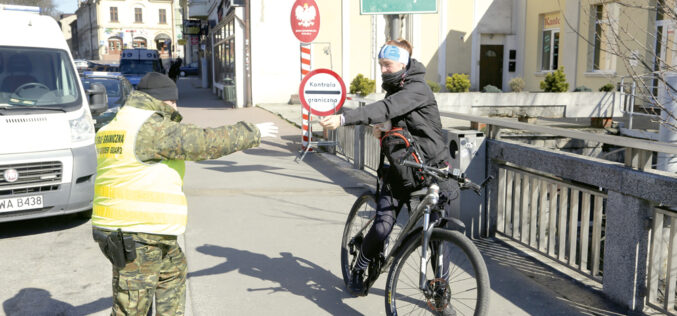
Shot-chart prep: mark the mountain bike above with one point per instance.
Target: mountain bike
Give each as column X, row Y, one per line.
column 429, row 245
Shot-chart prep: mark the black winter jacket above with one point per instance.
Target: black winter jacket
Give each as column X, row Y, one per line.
column 411, row 106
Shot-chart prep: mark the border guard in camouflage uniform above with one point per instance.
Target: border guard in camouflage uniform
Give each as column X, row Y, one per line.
column 139, row 205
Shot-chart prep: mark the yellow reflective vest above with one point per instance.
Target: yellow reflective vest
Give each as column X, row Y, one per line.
column 130, row 194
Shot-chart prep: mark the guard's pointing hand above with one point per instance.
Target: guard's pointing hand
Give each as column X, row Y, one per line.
column 267, row 129
column 331, row 122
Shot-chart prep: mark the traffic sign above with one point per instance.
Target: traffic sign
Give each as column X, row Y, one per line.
column 397, row 6
column 305, row 20
column 322, row 92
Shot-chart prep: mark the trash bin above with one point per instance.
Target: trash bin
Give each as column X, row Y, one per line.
column 468, row 153
column 229, row 90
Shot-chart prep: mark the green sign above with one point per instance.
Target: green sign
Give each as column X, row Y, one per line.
column 398, row 6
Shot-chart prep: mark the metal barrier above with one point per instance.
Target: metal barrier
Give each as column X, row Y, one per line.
column 587, row 213
column 562, row 221
column 662, row 268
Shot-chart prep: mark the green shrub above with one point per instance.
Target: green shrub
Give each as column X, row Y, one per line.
column 362, row 85
column 517, row 84
column 607, row 87
column 434, row 86
column 582, row 89
column 555, row 81
column 491, row 89
column 458, row 83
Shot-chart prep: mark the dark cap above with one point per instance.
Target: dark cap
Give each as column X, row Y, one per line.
column 158, row 86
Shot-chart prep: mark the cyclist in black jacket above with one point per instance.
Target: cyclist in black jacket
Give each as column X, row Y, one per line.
column 410, row 104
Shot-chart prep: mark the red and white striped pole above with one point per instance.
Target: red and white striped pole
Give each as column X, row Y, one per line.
column 305, row 114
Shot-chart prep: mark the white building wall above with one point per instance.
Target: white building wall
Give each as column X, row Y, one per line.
column 276, row 61
column 149, row 30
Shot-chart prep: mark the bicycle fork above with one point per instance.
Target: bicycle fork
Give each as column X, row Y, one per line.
column 425, row 242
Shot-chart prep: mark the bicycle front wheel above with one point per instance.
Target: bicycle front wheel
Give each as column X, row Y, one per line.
column 464, row 289
column 360, row 219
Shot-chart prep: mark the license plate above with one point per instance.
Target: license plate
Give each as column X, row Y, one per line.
column 21, row 203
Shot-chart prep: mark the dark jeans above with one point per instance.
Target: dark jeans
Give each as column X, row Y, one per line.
column 386, row 215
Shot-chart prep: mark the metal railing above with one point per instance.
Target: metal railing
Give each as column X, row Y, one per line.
column 628, row 93
column 585, row 213
column 562, row 221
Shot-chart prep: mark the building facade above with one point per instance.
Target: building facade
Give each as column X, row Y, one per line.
column 65, row 21
column 249, row 44
column 105, row 27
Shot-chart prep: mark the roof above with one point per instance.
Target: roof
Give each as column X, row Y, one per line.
column 101, row 74
column 31, row 31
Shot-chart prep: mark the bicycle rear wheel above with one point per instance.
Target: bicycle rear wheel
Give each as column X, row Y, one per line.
column 360, row 219
column 465, row 291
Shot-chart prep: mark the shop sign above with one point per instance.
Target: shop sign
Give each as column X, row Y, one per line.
column 397, row 6
column 305, row 20
column 191, row 27
column 552, row 21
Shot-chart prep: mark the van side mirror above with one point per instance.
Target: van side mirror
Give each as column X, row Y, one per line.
column 98, row 100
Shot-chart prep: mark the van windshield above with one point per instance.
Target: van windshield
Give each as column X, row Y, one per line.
column 38, row 77
column 139, row 67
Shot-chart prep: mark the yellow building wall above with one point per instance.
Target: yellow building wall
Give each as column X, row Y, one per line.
column 361, row 55
column 533, row 32
column 459, row 39
column 429, row 44
column 637, row 33
column 327, row 46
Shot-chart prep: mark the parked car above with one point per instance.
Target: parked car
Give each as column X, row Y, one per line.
column 118, row 89
column 188, row 70
column 137, row 62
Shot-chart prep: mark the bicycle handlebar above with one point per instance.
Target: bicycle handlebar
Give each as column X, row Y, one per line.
column 454, row 174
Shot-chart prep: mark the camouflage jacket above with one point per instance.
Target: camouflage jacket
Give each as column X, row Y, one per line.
column 162, row 136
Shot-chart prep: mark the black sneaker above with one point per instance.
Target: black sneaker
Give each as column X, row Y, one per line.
column 356, row 286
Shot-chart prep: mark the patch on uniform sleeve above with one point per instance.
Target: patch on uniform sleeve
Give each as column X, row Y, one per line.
column 109, row 143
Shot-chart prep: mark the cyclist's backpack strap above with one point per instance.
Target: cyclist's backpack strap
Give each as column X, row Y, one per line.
column 397, row 144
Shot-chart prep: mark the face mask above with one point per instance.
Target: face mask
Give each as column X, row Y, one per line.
column 393, row 79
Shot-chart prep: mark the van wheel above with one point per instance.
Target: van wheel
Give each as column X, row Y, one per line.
column 183, row 74
column 85, row 214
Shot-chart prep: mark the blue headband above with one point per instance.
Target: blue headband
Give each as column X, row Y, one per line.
column 394, row 53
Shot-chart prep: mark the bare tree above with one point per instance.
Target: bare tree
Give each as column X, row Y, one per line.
column 637, row 36
column 46, row 6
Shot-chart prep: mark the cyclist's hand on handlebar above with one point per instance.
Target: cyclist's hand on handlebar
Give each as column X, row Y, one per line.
column 331, row 122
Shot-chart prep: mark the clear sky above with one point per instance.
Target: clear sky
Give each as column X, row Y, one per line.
column 66, row 6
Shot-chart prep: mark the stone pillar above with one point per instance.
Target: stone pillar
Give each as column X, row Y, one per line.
column 626, row 250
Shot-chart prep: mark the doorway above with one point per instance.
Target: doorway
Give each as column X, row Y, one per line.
column 491, row 66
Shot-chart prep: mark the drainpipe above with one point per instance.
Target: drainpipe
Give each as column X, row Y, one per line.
column 248, row 52
column 666, row 131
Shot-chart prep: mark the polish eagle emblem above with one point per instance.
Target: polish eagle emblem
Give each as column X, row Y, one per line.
column 305, row 14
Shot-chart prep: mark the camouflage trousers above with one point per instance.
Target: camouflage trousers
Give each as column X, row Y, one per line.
column 159, row 271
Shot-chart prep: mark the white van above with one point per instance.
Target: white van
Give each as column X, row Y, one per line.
column 47, row 153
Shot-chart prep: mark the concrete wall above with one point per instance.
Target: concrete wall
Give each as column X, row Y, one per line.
column 552, row 105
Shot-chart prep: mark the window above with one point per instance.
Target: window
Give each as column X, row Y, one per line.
column 138, row 15
column 163, row 16
column 114, row 45
column 550, row 42
column 550, row 50
column 114, row 14
column 50, row 67
column 598, row 11
column 139, row 42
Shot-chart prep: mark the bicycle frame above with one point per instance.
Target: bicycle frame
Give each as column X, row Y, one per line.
column 422, row 210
